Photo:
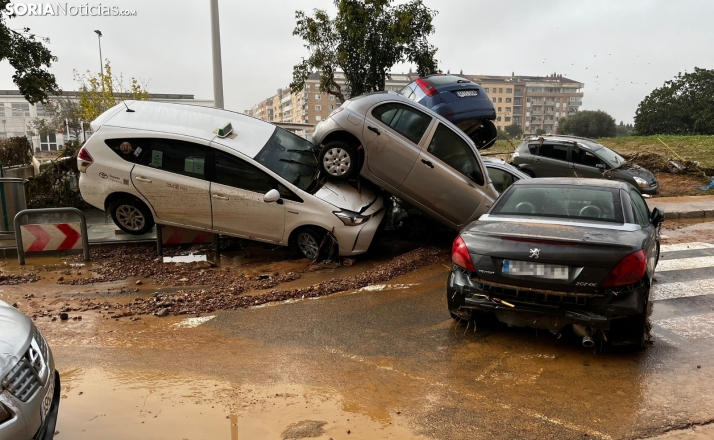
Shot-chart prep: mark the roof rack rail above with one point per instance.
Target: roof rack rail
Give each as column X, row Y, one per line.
column 562, row 135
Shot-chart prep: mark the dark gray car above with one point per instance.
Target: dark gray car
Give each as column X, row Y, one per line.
column 571, row 156
column 557, row 252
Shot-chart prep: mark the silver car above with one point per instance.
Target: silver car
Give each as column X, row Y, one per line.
column 409, row 151
column 29, row 383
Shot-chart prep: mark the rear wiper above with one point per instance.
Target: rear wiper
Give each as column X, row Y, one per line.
column 298, row 163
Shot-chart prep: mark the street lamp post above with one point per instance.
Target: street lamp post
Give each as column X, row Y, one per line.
column 216, row 47
column 101, row 63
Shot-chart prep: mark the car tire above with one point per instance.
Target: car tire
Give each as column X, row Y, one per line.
column 131, row 215
column 527, row 171
column 308, row 241
column 338, row 161
column 484, row 136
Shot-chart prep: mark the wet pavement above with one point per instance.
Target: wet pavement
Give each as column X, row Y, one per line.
column 383, row 360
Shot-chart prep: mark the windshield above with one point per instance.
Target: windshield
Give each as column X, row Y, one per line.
column 292, row 158
column 613, row 159
column 582, row 203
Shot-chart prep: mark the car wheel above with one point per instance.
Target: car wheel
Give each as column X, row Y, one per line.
column 132, row 216
column 338, row 160
column 308, row 242
column 485, row 135
column 529, row 172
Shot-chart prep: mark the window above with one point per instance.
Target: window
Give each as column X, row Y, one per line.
column 561, row 201
column 175, row 156
column 48, row 142
column 533, row 148
column 501, row 179
column 508, row 109
column 494, row 99
column 292, row 158
column 130, row 149
column 332, row 97
column 500, row 90
column 508, row 119
column 451, row 149
column 509, row 90
column 508, row 100
column 332, row 107
column 557, row 152
column 408, row 93
column 40, row 109
column 318, row 107
column 406, row 121
column 639, row 209
column 498, row 119
column 231, row 171
column 500, row 99
column 318, row 97
column 583, row 157
column 499, row 109
column 20, row 109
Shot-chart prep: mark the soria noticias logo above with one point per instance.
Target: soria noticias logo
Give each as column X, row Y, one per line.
column 66, row 9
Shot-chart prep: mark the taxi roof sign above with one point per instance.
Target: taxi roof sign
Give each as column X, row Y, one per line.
column 224, row 130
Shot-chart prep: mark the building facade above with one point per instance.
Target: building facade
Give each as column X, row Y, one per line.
column 533, row 102
column 16, row 114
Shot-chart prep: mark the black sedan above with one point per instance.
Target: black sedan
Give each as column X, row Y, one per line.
column 557, row 252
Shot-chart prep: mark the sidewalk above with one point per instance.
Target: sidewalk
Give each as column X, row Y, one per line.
column 684, row 207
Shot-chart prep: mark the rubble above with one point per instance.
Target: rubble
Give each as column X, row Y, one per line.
column 15, row 279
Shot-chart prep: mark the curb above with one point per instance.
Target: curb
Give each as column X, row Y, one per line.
column 677, row 215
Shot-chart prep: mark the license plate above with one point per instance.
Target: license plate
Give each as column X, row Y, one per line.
column 47, row 401
column 465, row 93
column 527, row 268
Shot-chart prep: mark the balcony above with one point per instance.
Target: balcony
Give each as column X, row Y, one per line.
column 549, row 112
column 537, row 112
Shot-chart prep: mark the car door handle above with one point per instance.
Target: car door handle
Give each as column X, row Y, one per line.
column 143, row 179
column 219, row 197
column 427, row 163
column 373, row 130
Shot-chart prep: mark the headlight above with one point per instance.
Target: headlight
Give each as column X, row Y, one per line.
column 351, row 218
column 642, row 183
column 4, row 414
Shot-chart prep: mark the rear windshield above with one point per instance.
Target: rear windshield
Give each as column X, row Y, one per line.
column 558, row 201
column 440, row 80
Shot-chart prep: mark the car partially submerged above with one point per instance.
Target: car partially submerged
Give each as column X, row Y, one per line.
column 559, row 252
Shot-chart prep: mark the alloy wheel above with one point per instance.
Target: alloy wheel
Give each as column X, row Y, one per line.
column 308, row 245
column 130, row 217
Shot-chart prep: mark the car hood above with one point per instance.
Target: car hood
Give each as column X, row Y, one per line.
column 345, row 196
column 15, row 335
column 637, row 171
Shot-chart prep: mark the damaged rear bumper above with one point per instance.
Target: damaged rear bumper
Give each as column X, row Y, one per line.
column 523, row 307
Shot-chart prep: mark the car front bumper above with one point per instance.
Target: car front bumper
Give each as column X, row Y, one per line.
column 47, row 430
column 550, row 310
column 27, row 423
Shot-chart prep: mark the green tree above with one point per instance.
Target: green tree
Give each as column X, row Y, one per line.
column 514, row 130
column 29, row 57
column 364, row 40
column 588, row 123
column 540, row 131
column 683, row 105
column 101, row 91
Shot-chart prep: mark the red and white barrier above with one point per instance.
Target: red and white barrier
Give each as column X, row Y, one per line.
column 175, row 235
column 51, row 237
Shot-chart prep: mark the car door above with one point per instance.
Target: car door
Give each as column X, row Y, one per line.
column 583, row 163
column 552, row 161
column 448, row 178
column 171, row 175
column 392, row 136
column 237, row 193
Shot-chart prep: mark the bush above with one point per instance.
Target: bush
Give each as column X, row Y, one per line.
column 15, row 151
column 57, row 183
column 589, row 124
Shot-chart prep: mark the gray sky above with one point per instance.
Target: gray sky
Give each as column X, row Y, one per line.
column 621, row 50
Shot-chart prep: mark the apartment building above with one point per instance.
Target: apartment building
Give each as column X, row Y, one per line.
column 16, row 114
column 533, row 102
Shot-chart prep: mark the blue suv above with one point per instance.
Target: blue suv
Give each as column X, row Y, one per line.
column 459, row 100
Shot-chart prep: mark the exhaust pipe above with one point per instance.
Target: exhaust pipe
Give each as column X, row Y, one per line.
column 588, row 342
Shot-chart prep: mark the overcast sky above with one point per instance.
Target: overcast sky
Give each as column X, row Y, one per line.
column 620, row 50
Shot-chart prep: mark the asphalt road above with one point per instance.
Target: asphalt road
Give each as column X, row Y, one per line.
column 386, row 362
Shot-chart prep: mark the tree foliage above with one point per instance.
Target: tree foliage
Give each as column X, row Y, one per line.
column 364, row 40
column 101, row 91
column 514, row 130
column 588, row 123
column 61, row 113
column 15, row 151
column 683, row 105
column 624, row 130
column 28, row 55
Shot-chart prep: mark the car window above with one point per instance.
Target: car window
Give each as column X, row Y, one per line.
column 407, row 92
column 584, row 157
column 408, row 122
column 292, row 158
column 533, row 148
column 451, row 149
column 558, row 152
column 128, row 149
column 501, row 179
column 174, row 156
column 639, row 209
column 561, row 201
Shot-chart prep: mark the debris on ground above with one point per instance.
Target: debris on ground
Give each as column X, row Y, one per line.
column 15, row 279
column 228, row 294
column 659, row 163
column 304, row 429
column 708, row 186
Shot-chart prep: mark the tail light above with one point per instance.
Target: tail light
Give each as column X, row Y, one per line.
column 84, row 159
column 460, row 255
column 426, row 87
column 629, row 270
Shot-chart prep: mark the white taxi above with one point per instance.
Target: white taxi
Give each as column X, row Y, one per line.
column 214, row 170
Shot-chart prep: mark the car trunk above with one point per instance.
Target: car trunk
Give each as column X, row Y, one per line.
column 546, row 256
column 451, row 95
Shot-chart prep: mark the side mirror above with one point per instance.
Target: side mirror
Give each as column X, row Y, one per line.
column 657, row 216
column 271, row 196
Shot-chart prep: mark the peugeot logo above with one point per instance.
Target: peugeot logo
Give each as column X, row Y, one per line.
column 535, row 253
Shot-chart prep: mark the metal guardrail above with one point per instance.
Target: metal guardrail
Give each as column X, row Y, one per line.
column 24, row 212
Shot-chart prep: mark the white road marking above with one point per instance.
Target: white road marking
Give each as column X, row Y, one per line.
column 685, row 263
column 690, row 327
column 380, row 287
column 693, row 246
column 682, row 290
column 193, row 322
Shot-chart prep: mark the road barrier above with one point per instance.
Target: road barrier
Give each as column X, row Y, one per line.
column 175, row 235
column 50, row 236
